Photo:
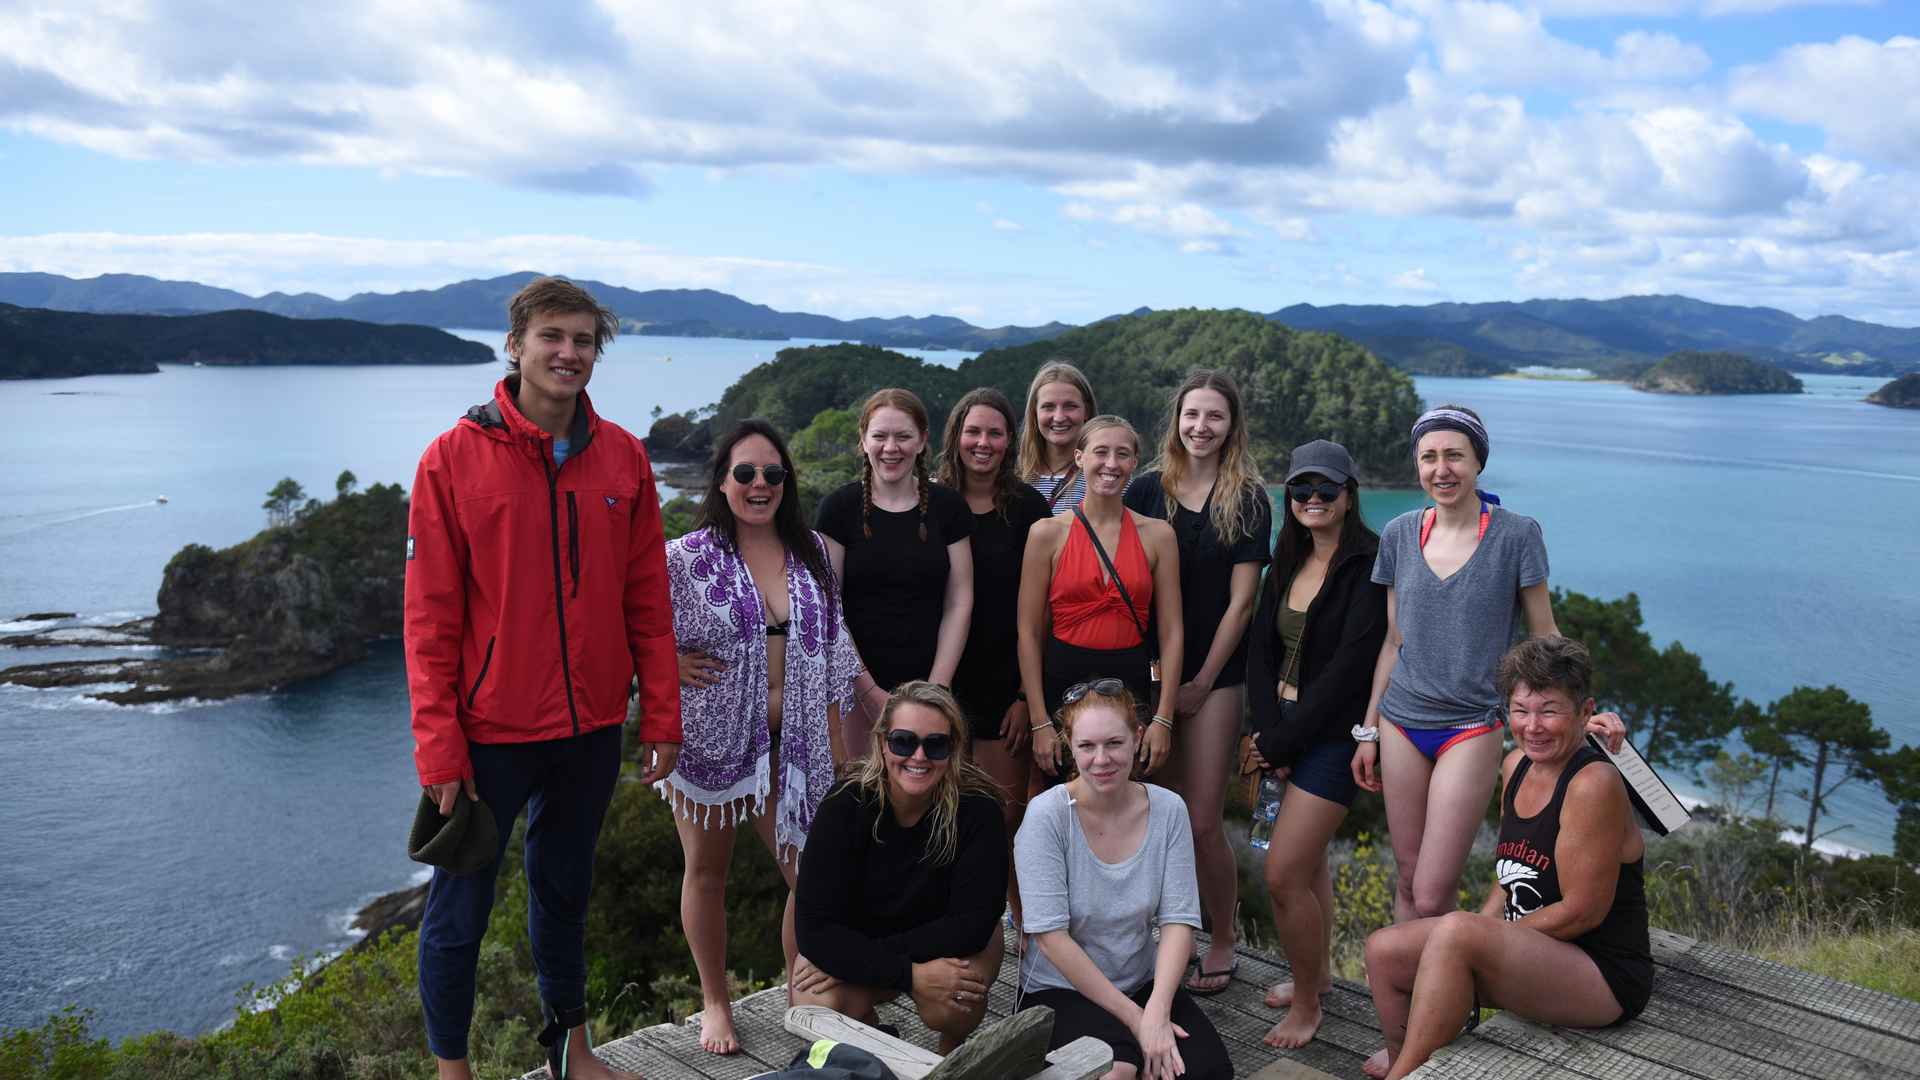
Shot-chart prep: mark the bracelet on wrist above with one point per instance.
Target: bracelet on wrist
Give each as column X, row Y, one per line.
column 1041, row 724
column 1162, row 721
column 1364, row 734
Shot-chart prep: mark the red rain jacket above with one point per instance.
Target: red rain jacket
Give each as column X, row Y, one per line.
column 534, row 594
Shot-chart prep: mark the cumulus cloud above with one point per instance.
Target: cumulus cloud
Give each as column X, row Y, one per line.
column 1415, row 280
column 1499, row 45
column 1862, row 93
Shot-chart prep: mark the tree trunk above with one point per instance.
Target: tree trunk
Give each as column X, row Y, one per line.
column 1773, row 785
column 1814, row 795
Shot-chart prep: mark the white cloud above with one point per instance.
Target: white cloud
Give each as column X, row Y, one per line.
column 1490, row 44
column 1007, row 225
column 1862, row 93
column 1415, row 280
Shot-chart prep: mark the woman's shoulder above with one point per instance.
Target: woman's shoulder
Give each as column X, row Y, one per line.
column 978, row 805
column 1511, row 519
column 941, row 497
column 1401, row 525
column 1027, row 499
column 1144, row 487
column 683, row 550
column 848, row 494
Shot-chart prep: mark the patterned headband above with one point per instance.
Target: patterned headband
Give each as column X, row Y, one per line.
column 1444, row 419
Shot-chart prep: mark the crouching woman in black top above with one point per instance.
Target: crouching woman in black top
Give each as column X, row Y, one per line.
column 904, row 875
column 1562, row 938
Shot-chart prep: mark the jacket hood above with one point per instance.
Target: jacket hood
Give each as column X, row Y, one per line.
column 501, row 419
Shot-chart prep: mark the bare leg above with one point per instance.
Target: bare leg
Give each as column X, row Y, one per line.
column 1457, row 798
column 703, row 914
column 1406, row 774
column 1393, row 957
column 848, row 1000
column 1009, row 771
column 764, row 825
column 1516, row 968
column 582, row 1065
column 1296, row 868
column 1280, row 995
column 1202, row 756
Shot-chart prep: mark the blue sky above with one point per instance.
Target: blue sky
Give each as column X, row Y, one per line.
column 1004, row 161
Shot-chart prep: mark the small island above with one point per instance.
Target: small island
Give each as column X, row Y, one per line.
column 1692, row 372
column 37, row 343
column 1901, row 393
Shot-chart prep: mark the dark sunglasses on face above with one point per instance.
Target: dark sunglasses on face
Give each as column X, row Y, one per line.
column 1107, row 687
column 775, row 474
column 901, row 743
column 1302, row 492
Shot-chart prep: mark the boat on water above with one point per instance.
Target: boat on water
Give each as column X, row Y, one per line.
column 160, row 499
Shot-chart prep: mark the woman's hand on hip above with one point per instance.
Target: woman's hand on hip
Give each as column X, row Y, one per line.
column 698, row 668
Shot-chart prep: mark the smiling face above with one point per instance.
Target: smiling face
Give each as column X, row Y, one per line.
column 912, row 779
column 1547, row 724
column 1448, row 467
column 984, row 439
column 1109, row 458
column 1205, row 421
column 1059, row 410
column 753, row 503
column 556, row 354
column 891, row 442
column 1317, row 513
column 1103, row 747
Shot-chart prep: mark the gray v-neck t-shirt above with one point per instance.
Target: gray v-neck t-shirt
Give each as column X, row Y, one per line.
column 1453, row 632
column 1109, row 909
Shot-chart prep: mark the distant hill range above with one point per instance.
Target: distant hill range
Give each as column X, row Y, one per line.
column 36, row 343
column 1619, row 337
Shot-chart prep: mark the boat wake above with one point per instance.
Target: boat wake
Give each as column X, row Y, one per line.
column 16, row 524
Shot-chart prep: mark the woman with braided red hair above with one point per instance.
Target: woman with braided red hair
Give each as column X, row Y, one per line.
column 901, row 545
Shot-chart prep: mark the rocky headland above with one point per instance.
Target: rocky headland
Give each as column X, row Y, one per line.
column 1715, row 373
column 1901, row 393
column 300, row 599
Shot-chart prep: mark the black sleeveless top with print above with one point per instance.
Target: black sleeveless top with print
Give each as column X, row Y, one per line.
column 1528, row 872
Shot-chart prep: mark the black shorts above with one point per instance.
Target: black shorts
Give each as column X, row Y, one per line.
column 1074, row 1016
column 1066, row 666
column 1325, row 769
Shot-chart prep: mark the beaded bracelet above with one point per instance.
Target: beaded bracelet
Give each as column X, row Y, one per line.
column 1163, row 721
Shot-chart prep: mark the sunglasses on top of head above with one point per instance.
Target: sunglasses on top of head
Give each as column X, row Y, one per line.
column 1303, row 491
column 901, row 743
column 1105, row 687
column 775, row 474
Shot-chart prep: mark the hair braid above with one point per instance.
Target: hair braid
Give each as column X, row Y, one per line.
column 920, row 479
column 866, row 496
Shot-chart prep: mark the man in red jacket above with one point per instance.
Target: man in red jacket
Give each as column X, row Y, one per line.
column 536, row 593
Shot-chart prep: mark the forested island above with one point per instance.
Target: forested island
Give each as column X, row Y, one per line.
column 1901, row 393
column 1692, row 372
column 38, row 343
column 1297, row 385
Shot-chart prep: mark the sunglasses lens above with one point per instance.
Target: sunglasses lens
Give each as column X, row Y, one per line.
column 902, row 743
column 937, row 747
column 743, row 473
column 775, row 474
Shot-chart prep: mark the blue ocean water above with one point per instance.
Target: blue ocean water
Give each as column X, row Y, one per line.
column 155, row 860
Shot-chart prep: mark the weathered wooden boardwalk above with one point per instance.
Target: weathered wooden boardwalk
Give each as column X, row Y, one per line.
column 1715, row 1015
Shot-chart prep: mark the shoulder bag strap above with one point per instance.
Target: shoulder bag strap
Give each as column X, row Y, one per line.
column 1153, row 648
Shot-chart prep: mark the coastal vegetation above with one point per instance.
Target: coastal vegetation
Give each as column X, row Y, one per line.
column 36, row 343
column 1901, row 393
column 1715, row 373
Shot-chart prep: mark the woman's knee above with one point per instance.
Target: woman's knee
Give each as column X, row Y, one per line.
column 1392, row 953
column 955, row 1022
column 1434, row 898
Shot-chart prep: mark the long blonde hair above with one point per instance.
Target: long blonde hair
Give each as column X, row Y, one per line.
column 1239, row 482
column 962, row 777
column 1033, row 445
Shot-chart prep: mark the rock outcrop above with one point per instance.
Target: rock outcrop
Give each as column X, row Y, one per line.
column 1901, row 393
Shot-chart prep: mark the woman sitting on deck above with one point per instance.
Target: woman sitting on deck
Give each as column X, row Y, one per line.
column 1103, row 859
column 1572, row 948
column 903, row 882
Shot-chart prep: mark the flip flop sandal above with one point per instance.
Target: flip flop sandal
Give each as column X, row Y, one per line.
column 1226, row 974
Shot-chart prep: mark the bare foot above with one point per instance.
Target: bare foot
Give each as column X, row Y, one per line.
column 716, row 1030
column 588, row 1067
column 1377, row 1065
column 1280, row 995
column 1296, row 1029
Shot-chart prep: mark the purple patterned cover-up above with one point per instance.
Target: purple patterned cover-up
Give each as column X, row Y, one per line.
column 724, row 756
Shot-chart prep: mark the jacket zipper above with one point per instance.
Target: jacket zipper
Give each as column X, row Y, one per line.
column 573, row 542
column 474, row 694
column 559, row 588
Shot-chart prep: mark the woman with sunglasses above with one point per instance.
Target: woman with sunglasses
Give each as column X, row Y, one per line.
column 1103, row 860
column 766, row 668
column 899, row 543
column 1059, row 401
column 1089, row 583
column 902, row 887
column 1310, row 663
column 974, row 460
column 1206, row 486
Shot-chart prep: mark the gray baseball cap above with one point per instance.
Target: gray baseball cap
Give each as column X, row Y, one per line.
column 1329, row 459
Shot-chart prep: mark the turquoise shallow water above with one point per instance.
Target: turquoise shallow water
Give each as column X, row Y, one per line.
column 158, row 859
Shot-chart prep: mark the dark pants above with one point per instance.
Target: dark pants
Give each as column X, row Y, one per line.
column 1204, row 1055
column 566, row 785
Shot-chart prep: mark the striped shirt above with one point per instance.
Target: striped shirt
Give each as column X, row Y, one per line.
column 1047, row 483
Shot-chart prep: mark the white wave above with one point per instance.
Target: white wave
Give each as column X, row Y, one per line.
column 23, row 626
column 280, row 952
column 420, row 877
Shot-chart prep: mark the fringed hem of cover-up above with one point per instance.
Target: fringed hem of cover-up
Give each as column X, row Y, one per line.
column 717, row 809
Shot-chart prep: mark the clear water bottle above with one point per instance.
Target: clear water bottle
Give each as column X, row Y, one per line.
column 1265, row 809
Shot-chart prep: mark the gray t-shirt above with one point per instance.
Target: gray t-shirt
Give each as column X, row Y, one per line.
column 1108, row 908
column 1454, row 632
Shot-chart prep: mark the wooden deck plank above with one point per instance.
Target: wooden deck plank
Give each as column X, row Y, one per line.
column 1632, row 1052
column 1792, row 986
column 1481, row 1059
column 1678, row 986
column 1739, row 1035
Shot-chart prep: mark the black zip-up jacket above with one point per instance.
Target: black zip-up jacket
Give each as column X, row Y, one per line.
column 1346, row 622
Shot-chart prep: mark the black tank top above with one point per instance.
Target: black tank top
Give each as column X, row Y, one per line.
column 1529, row 872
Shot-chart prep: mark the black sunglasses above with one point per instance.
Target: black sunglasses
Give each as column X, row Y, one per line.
column 775, row 474
column 1108, row 687
column 902, row 743
column 1326, row 489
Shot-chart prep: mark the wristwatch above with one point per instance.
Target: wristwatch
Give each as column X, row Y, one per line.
column 1363, row 733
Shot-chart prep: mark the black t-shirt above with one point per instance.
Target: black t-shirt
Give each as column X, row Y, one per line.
column 867, row 908
column 988, row 679
column 1206, row 569
column 896, row 583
